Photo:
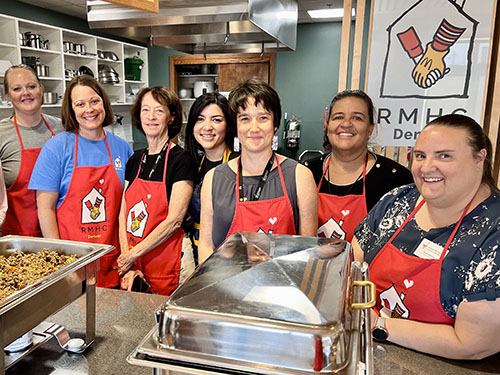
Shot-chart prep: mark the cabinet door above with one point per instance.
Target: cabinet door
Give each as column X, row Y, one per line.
column 232, row 74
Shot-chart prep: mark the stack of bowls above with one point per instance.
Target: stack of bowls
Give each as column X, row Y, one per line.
column 108, row 75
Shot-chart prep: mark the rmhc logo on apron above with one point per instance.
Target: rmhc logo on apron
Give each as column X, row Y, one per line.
column 137, row 218
column 94, row 207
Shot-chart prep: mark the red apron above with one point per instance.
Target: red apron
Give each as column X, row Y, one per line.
column 89, row 212
column 408, row 286
column 338, row 216
column 147, row 206
column 22, row 216
column 268, row 216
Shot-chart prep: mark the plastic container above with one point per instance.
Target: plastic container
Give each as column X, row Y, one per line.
column 133, row 68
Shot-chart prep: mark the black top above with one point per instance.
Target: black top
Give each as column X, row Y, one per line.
column 384, row 176
column 207, row 165
column 180, row 167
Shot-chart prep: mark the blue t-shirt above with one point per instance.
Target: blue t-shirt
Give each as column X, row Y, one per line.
column 471, row 269
column 54, row 166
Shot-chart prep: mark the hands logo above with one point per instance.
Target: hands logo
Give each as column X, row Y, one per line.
column 430, row 66
column 428, row 44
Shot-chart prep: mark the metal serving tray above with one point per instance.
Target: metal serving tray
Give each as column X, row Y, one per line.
column 25, row 309
column 266, row 304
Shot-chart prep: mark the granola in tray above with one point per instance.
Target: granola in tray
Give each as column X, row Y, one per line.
column 21, row 269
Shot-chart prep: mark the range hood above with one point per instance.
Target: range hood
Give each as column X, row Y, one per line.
column 203, row 26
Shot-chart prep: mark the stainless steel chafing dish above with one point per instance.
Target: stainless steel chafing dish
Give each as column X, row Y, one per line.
column 267, row 304
column 27, row 308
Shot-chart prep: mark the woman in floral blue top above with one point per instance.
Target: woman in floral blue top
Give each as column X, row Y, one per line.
column 433, row 248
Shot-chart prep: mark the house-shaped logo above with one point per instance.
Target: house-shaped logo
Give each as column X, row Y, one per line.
column 137, row 218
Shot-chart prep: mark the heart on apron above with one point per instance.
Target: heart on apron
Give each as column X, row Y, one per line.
column 408, row 283
column 273, row 220
column 101, row 181
column 345, row 212
column 149, row 196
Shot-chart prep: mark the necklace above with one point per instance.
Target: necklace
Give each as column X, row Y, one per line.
column 327, row 177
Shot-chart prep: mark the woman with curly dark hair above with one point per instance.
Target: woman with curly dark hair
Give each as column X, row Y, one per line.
column 158, row 188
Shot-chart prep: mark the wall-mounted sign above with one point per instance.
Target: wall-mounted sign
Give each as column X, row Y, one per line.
column 151, row 6
column 427, row 58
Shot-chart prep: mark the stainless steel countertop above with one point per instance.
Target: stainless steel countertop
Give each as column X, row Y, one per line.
column 124, row 319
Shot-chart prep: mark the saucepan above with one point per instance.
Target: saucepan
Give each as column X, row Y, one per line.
column 50, row 97
column 42, row 70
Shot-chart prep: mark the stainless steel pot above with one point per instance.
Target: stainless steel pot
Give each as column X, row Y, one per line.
column 34, row 40
column 50, row 97
column 68, row 47
column 22, row 39
column 42, row 70
column 79, row 49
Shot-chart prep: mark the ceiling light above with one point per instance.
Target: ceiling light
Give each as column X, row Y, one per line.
column 328, row 13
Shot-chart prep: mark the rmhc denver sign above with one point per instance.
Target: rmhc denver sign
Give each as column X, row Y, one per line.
column 427, row 58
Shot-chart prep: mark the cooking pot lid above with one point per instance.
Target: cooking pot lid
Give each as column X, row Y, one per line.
column 290, row 278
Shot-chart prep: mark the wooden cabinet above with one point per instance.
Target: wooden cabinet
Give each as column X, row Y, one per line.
column 226, row 70
column 62, row 63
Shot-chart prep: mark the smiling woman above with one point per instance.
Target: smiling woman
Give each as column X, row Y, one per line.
column 21, row 138
column 79, row 175
column 260, row 191
column 351, row 179
column 158, row 187
column 433, row 247
column 209, row 140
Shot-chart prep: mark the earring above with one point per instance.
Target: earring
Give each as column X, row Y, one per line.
column 236, row 146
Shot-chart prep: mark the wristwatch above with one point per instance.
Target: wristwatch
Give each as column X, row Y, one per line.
column 380, row 332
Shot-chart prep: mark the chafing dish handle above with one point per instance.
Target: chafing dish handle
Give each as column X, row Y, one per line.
column 373, row 295
column 165, row 338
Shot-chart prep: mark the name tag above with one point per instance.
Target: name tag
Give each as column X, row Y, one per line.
column 429, row 250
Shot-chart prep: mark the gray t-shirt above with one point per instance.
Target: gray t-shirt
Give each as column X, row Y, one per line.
column 224, row 194
column 32, row 137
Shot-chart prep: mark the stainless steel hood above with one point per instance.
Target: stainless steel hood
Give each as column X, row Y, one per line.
column 203, row 26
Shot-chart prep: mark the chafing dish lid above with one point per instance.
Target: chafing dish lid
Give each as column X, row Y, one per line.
column 288, row 278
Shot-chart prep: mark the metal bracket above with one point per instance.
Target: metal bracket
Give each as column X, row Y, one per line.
column 228, row 32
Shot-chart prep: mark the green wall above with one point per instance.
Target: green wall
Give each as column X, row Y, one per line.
column 307, row 79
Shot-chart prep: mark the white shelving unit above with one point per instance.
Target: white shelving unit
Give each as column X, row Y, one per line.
column 58, row 60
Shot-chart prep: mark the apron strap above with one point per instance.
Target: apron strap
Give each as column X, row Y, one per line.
column 19, row 134
column 364, row 173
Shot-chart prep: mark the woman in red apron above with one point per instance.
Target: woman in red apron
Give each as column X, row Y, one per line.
column 436, row 272
column 350, row 179
column 265, row 206
column 24, row 91
column 159, row 183
column 87, row 210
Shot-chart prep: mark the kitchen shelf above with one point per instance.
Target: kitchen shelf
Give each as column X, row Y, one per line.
column 40, row 50
column 58, row 60
column 50, row 78
column 197, row 75
column 110, row 61
column 76, row 56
